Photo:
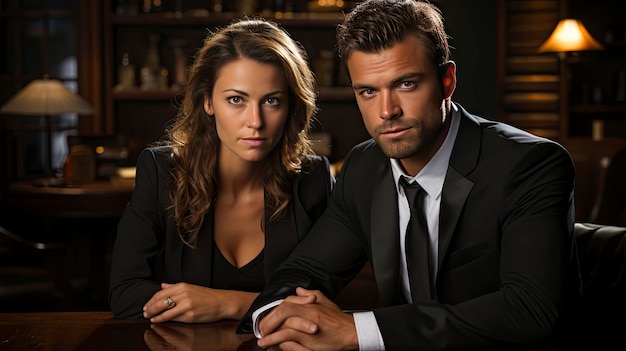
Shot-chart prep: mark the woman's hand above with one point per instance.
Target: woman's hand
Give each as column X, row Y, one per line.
column 196, row 304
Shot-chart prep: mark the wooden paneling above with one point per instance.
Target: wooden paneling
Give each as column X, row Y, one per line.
column 530, row 97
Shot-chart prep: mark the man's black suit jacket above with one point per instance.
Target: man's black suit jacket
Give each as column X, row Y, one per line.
column 148, row 250
column 505, row 230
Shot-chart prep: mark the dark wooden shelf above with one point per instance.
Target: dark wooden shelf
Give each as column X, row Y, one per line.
column 306, row 20
column 340, row 94
column 600, row 108
column 137, row 94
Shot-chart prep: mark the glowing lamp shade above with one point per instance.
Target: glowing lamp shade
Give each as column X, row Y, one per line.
column 46, row 97
column 570, row 35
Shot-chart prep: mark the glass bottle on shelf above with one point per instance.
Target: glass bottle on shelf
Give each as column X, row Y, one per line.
column 153, row 75
column 324, row 68
column 180, row 64
column 126, row 74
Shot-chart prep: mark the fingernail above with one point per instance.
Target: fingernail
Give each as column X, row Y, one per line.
column 259, row 343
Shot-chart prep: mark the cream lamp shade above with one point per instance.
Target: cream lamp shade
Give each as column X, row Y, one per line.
column 569, row 35
column 46, row 97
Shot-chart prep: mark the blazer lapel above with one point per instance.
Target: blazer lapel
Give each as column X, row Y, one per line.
column 281, row 237
column 195, row 265
column 456, row 187
column 385, row 243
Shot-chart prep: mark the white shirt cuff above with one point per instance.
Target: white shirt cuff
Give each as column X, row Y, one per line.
column 260, row 313
column 367, row 332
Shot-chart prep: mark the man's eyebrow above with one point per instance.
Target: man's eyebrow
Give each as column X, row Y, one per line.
column 396, row 81
column 407, row 76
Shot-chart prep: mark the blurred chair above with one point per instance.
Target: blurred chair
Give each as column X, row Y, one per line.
column 610, row 205
column 598, row 319
column 31, row 274
column 590, row 159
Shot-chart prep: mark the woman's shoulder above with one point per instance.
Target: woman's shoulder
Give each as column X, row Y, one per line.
column 314, row 164
column 159, row 154
column 316, row 173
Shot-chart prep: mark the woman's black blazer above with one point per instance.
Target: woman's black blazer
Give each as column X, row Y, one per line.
column 148, row 250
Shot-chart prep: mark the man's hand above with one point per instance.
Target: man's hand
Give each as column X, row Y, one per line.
column 196, row 304
column 308, row 321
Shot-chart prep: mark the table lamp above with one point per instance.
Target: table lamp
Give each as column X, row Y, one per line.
column 569, row 35
column 46, row 97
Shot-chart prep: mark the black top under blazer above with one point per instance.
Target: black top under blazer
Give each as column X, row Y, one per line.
column 148, row 249
column 505, row 238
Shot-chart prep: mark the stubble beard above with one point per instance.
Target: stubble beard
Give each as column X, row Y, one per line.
column 399, row 149
column 407, row 147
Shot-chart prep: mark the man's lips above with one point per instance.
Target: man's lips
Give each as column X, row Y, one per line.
column 394, row 132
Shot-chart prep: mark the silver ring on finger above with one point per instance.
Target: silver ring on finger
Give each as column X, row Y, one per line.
column 169, row 302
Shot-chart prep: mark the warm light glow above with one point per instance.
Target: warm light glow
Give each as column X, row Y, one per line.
column 570, row 35
column 46, row 97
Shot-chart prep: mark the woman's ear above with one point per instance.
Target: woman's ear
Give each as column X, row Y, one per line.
column 448, row 79
column 208, row 107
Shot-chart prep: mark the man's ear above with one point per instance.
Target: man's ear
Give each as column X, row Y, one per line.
column 448, row 78
column 208, row 107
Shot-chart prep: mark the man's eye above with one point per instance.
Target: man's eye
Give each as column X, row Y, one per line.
column 367, row 92
column 407, row 84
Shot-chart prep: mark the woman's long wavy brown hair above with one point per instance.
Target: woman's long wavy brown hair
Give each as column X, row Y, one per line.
column 193, row 137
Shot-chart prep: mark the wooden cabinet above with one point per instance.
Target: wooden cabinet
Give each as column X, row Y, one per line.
column 141, row 115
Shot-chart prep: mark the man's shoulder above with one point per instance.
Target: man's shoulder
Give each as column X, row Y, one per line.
column 368, row 147
column 504, row 132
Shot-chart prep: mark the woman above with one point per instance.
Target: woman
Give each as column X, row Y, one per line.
column 233, row 190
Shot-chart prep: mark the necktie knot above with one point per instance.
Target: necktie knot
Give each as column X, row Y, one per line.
column 412, row 191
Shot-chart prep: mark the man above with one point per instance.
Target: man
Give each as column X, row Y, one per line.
column 498, row 206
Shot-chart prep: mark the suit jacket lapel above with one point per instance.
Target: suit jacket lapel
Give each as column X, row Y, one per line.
column 385, row 242
column 456, row 187
column 281, row 237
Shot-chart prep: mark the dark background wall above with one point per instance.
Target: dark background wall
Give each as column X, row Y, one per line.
column 472, row 28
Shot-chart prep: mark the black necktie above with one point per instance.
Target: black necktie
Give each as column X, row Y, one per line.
column 416, row 244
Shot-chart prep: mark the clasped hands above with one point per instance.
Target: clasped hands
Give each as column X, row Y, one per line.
column 308, row 321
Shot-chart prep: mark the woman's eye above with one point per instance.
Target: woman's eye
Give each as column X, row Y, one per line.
column 272, row 101
column 235, row 100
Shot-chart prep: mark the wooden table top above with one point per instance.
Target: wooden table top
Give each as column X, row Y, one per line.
column 90, row 200
column 74, row 331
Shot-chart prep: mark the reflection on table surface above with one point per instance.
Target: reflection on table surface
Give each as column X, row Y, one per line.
column 74, row 331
